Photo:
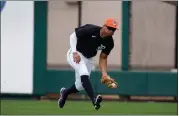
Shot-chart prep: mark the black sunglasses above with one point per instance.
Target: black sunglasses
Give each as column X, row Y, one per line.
column 111, row 28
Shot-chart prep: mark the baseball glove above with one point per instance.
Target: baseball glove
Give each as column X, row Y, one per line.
column 110, row 82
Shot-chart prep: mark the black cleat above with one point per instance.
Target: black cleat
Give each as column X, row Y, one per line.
column 97, row 102
column 61, row 100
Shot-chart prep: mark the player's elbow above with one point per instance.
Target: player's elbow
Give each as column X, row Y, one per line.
column 103, row 56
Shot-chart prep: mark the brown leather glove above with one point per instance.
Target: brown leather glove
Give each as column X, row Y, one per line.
column 110, row 82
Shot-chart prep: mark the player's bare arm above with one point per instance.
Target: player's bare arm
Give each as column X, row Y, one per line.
column 103, row 64
column 105, row 78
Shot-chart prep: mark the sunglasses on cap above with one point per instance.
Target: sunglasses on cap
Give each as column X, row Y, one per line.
column 111, row 28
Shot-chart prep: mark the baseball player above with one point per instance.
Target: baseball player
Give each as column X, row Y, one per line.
column 85, row 42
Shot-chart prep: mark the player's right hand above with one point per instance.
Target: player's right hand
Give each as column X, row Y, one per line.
column 76, row 57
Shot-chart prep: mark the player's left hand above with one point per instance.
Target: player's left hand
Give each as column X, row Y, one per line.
column 110, row 82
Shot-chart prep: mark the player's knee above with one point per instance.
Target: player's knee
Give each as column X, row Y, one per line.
column 84, row 78
column 84, row 73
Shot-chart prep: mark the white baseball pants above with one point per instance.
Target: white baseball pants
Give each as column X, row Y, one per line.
column 83, row 68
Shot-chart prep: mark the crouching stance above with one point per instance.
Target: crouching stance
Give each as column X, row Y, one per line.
column 85, row 42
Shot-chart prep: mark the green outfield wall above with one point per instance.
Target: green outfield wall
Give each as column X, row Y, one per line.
column 130, row 83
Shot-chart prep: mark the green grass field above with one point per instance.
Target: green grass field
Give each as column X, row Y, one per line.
column 30, row 107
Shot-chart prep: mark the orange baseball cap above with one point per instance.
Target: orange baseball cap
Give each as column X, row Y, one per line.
column 111, row 22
